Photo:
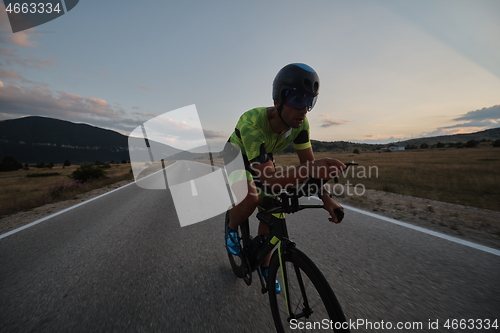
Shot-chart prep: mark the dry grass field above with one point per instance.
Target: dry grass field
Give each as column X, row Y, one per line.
column 466, row 176
column 20, row 192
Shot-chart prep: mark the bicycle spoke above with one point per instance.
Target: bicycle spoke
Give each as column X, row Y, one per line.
column 305, row 302
column 312, row 305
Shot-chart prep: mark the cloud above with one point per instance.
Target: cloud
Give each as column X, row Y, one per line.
column 13, row 77
column 491, row 113
column 19, row 38
column 328, row 122
column 474, row 121
column 38, row 100
column 213, row 135
column 8, row 54
column 8, row 74
column 145, row 88
column 12, row 57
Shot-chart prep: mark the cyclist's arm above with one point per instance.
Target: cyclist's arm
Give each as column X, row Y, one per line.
column 292, row 176
column 285, row 177
column 305, row 155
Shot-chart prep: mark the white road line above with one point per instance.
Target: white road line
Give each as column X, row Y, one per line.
column 70, row 208
column 193, row 188
column 380, row 217
column 60, row 212
column 427, row 231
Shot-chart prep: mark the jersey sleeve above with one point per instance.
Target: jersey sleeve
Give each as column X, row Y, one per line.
column 302, row 141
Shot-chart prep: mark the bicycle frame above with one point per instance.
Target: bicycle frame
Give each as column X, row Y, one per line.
column 278, row 233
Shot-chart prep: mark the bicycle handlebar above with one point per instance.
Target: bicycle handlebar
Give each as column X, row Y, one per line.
column 289, row 197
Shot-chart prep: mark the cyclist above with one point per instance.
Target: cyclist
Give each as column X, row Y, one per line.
column 262, row 131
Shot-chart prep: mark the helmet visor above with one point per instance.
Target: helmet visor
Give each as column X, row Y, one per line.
column 298, row 100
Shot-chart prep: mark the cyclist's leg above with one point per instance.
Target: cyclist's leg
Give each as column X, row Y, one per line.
column 263, row 229
column 240, row 212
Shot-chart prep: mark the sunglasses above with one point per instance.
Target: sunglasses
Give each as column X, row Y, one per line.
column 298, row 100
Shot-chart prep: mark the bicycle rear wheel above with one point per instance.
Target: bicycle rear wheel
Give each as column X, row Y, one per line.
column 312, row 305
column 237, row 262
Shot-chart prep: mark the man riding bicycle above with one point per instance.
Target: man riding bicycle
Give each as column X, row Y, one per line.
column 262, row 131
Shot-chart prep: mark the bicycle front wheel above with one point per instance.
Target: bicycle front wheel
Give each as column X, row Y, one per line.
column 306, row 302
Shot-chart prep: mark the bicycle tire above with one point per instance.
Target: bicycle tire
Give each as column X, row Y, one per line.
column 319, row 295
column 237, row 262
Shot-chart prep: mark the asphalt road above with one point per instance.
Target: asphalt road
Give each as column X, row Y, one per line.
column 122, row 263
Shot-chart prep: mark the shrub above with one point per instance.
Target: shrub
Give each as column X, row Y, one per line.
column 88, row 172
column 496, row 143
column 355, row 151
column 424, row 146
column 67, row 163
column 57, row 190
column 46, row 174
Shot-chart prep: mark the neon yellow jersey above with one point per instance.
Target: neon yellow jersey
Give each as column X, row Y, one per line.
column 254, row 136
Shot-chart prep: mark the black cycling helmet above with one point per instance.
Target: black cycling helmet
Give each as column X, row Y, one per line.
column 298, row 76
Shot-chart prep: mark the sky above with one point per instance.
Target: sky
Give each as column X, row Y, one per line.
column 389, row 70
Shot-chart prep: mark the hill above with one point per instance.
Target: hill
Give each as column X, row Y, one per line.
column 41, row 139
column 346, row 146
column 487, row 135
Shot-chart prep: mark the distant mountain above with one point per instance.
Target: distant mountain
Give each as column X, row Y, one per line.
column 346, row 146
column 41, row 139
column 488, row 135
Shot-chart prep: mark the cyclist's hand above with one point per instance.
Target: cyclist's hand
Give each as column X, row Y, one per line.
column 330, row 206
column 325, row 168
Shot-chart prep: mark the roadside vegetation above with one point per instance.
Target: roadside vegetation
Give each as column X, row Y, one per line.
column 464, row 176
column 34, row 186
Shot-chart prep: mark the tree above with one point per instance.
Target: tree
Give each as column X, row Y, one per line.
column 424, row 146
column 471, row 144
column 355, row 151
column 496, row 143
column 10, row 164
column 440, row 145
column 67, row 163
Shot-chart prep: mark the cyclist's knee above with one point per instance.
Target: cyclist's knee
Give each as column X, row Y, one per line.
column 250, row 204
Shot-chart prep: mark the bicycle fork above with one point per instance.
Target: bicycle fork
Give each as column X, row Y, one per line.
column 307, row 311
